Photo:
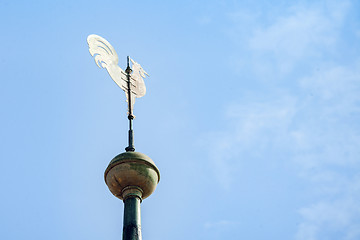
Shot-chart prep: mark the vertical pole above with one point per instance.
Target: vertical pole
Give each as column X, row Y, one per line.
column 132, row 219
column 130, row 116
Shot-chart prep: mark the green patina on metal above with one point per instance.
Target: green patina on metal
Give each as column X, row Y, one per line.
column 143, row 170
column 132, row 177
column 132, row 219
column 136, row 157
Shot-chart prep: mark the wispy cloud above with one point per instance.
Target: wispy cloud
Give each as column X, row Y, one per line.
column 316, row 125
column 331, row 218
column 299, row 35
column 251, row 129
column 328, row 153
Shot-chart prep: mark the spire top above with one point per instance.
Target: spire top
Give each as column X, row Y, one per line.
column 131, row 80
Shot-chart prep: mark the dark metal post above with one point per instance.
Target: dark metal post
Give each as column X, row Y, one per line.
column 128, row 71
column 132, row 219
column 131, row 147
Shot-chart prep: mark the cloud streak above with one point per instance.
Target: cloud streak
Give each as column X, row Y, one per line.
column 314, row 126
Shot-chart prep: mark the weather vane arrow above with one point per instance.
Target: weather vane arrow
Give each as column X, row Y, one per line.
column 131, row 80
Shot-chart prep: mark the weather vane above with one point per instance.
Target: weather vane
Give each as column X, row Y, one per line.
column 130, row 80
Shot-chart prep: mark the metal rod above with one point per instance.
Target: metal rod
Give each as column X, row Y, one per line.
column 128, row 71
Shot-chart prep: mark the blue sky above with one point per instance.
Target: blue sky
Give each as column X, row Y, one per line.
column 251, row 114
